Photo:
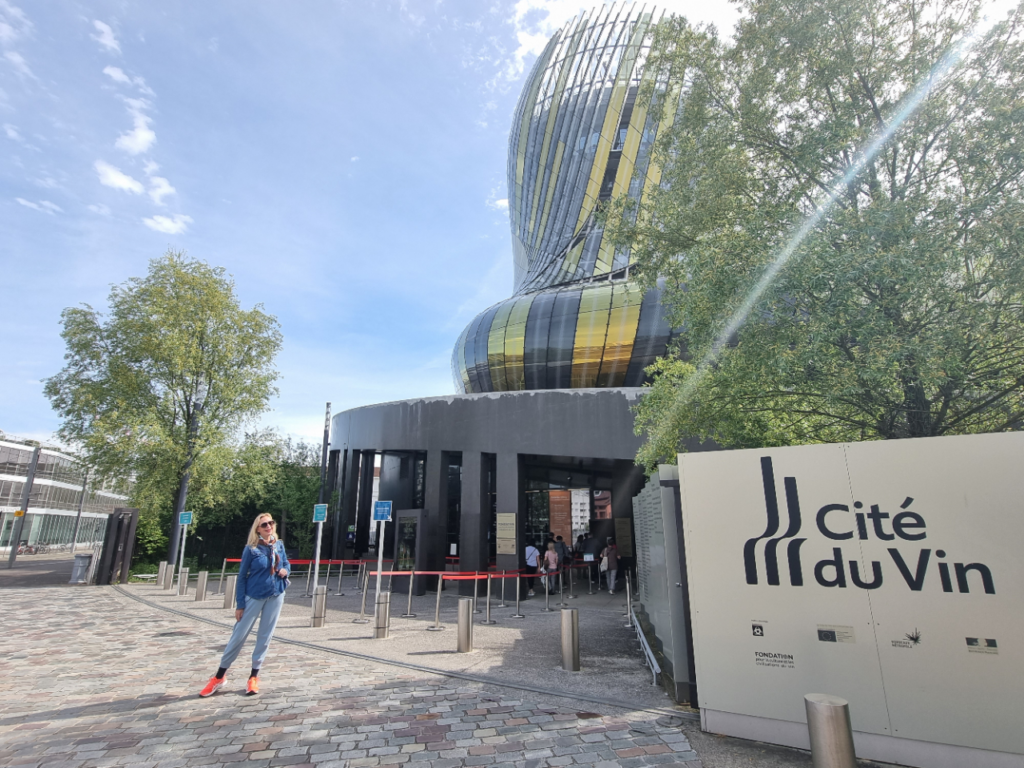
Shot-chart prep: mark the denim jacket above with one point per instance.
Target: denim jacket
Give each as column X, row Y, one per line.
column 255, row 577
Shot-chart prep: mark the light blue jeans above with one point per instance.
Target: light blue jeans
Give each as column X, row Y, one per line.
column 267, row 611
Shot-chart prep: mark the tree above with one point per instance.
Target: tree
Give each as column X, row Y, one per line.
column 159, row 388
column 898, row 312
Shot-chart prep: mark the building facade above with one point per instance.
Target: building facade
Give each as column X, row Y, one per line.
column 62, row 498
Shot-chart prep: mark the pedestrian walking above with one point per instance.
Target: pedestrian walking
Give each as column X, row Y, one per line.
column 552, row 564
column 610, row 564
column 564, row 553
column 259, row 594
column 532, row 561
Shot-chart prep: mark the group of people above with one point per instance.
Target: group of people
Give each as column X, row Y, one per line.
column 557, row 555
column 263, row 579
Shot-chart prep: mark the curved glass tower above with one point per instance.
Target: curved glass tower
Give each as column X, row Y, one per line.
column 578, row 138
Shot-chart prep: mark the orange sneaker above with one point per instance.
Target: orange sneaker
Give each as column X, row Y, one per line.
column 212, row 686
column 252, row 687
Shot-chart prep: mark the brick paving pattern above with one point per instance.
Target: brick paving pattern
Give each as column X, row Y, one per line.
column 93, row 679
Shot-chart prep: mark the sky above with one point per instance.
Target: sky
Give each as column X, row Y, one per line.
column 343, row 161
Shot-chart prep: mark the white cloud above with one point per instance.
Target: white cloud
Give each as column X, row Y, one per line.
column 141, row 137
column 112, row 177
column 43, row 206
column 99, row 209
column 150, row 168
column 12, row 132
column 355, row 159
column 159, row 188
column 48, row 182
column 13, row 23
column 498, row 205
column 174, row 225
column 118, row 75
column 105, row 36
column 18, row 62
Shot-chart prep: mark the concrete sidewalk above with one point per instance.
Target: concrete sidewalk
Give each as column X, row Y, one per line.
column 94, row 677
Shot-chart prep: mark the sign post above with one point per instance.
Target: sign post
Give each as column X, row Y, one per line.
column 184, row 520
column 381, row 514
column 319, row 516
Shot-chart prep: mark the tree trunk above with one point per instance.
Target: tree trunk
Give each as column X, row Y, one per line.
column 179, row 507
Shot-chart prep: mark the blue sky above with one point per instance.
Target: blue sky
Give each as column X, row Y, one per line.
column 344, row 161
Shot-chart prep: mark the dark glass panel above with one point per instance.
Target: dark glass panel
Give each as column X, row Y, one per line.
column 652, row 335
column 561, row 337
column 535, row 355
column 470, row 354
column 483, row 372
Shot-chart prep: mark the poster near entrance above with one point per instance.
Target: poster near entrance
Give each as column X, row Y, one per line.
column 560, row 508
column 887, row 573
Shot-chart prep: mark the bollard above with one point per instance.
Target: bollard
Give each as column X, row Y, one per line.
column 465, row 624
column 382, row 616
column 561, row 591
column 830, row 731
column 408, row 606
column 183, row 582
column 319, row 605
column 571, row 595
column 502, row 603
column 201, row 586
column 362, row 605
column 169, row 577
column 437, row 607
column 629, row 604
column 160, row 574
column 341, row 572
column 475, row 582
column 517, row 614
column 229, row 592
column 223, row 569
column 488, row 620
column 571, row 639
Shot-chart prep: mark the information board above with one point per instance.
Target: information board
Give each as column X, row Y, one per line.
column 185, row 518
column 319, row 513
column 382, row 511
column 505, row 533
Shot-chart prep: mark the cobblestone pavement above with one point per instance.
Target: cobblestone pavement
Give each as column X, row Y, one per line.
column 95, row 679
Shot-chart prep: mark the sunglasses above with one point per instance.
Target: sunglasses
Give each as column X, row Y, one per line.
column 268, row 524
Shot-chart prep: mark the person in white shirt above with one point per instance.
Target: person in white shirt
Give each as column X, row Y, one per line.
column 532, row 561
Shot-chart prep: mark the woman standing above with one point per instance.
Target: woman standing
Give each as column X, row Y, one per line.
column 611, row 552
column 532, row 561
column 259, row 593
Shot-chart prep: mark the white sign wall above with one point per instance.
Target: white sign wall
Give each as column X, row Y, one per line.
column 889, row 573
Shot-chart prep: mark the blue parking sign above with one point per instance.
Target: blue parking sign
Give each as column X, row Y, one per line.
column 382, row 510
column 319, row 513
column 185, row 518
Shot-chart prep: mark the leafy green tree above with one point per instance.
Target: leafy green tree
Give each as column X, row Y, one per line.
column 901, row 313
column 158, row 388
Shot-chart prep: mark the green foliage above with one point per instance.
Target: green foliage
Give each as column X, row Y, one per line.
column 902, row 312
column 157, row 390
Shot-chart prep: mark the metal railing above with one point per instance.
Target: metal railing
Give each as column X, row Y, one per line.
column 651, row 661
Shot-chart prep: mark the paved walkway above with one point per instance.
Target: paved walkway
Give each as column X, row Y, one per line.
column 94, row 678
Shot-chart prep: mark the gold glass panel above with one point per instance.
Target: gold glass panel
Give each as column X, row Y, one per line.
column 515, row 342
column 623, row 320
column 496, row 347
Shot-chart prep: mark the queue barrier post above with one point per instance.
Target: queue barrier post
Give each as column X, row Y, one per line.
column 488, row 620
column 502, row 603
column 517, row 614
column 547, row 594
column 570, row 596
column 437, row 607
column 341, row 572
column 362, row 604
column 408, row 606
column 561, row 591
column 475, row 582
column 223, row 570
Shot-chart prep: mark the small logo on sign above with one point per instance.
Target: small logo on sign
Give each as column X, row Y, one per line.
column 914, row 637
column 827, row 636
column 758, row 630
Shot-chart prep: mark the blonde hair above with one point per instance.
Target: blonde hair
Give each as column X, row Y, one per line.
column 254, row 532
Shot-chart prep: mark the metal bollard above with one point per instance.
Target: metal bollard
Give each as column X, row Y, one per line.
column 362, row 605
column 160, row 574
column 223, row 569
column 183, row 582
column 488, row 620
column 502, row 603
column 475, row 582
column 382, row 616
column 229, row 592
column 437, row 607
column 341, row 572
column 830, row 731
column 517, row 614
column 319, row 605
column 169, row 577
column 408, row 606
column 201, row 586
column 571, row 639
column 465, row 624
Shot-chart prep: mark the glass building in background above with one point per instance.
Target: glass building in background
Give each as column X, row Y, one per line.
column 579, row 138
